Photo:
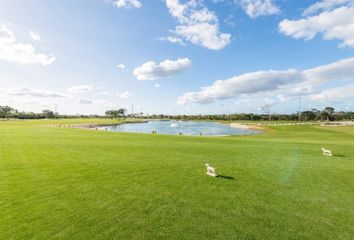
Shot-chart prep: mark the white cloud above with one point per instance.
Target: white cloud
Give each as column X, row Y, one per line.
column 297, row 90
column 80, row 88
column 104, row 103
column 128, row 4
column 197, row 24
column 100, row 103
column 343, row 70
column 13, row 51
column 167, row 68
column 336, row 24
column 85, row 101
column 25, row 91
column 35, row 36
column 157, row 85
column 243, row 84
column 294, row 82
column 121, row 66
column 326, row 5
column 174, row 39
column 337, row 93
column 103, row 93
column 125, row 94
column 257, row 8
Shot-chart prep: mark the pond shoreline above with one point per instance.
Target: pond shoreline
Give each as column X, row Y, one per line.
column 100, row 126
column 246, row 126
column 96, row 125
column 243, row 129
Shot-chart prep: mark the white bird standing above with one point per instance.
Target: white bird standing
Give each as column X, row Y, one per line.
column 211, row 171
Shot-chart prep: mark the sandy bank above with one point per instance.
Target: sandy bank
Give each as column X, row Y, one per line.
column 246, row 126
column 96, row 125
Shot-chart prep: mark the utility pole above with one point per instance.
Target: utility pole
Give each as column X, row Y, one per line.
column 299, row 109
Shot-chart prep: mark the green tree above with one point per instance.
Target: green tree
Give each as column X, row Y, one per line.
column 327, row 112
column 5, row 111
column 48, row 113
column 112, row 113
column 308, row 115
column 116, row 113
column 122, row 111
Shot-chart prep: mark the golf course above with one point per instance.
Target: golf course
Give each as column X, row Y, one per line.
column 59, row 182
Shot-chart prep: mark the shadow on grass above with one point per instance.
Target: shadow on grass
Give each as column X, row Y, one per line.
column 226, row 177
column 338, row 155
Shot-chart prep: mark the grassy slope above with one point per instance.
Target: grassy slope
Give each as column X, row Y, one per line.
column 85, row 184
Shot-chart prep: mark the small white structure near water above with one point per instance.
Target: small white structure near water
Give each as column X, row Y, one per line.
column 211, row 171
column 326, row 152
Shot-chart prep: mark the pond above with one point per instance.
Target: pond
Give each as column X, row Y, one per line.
column 181, row 127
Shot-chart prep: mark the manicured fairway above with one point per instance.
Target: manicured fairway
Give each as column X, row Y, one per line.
column 63, row 183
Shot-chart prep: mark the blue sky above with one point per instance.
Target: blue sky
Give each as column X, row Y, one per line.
column 170, row 56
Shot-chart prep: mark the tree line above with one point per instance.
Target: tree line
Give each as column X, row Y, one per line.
column 9, row 112
column 326, row 114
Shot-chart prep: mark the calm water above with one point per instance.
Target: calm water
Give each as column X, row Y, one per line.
column 177, row 127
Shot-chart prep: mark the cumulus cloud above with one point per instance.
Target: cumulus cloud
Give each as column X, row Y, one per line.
column 335, row 24
column 197, row 25
column 326, row 5
column 243, row 84
column 337, row 93
column 343, row 70
column 257, row 8
column 167, row 68
column 85, row 101
column 103, row 93
column 12, row 50
column 31, row 92
column 35, row 36
column 296, row 90
column 125, row 94
column 296, row 82
column 128, row 4
column 173, row 39
column 80, row 88
column 121, row 66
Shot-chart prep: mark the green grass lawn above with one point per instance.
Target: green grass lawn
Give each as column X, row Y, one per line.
column 65, row 183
